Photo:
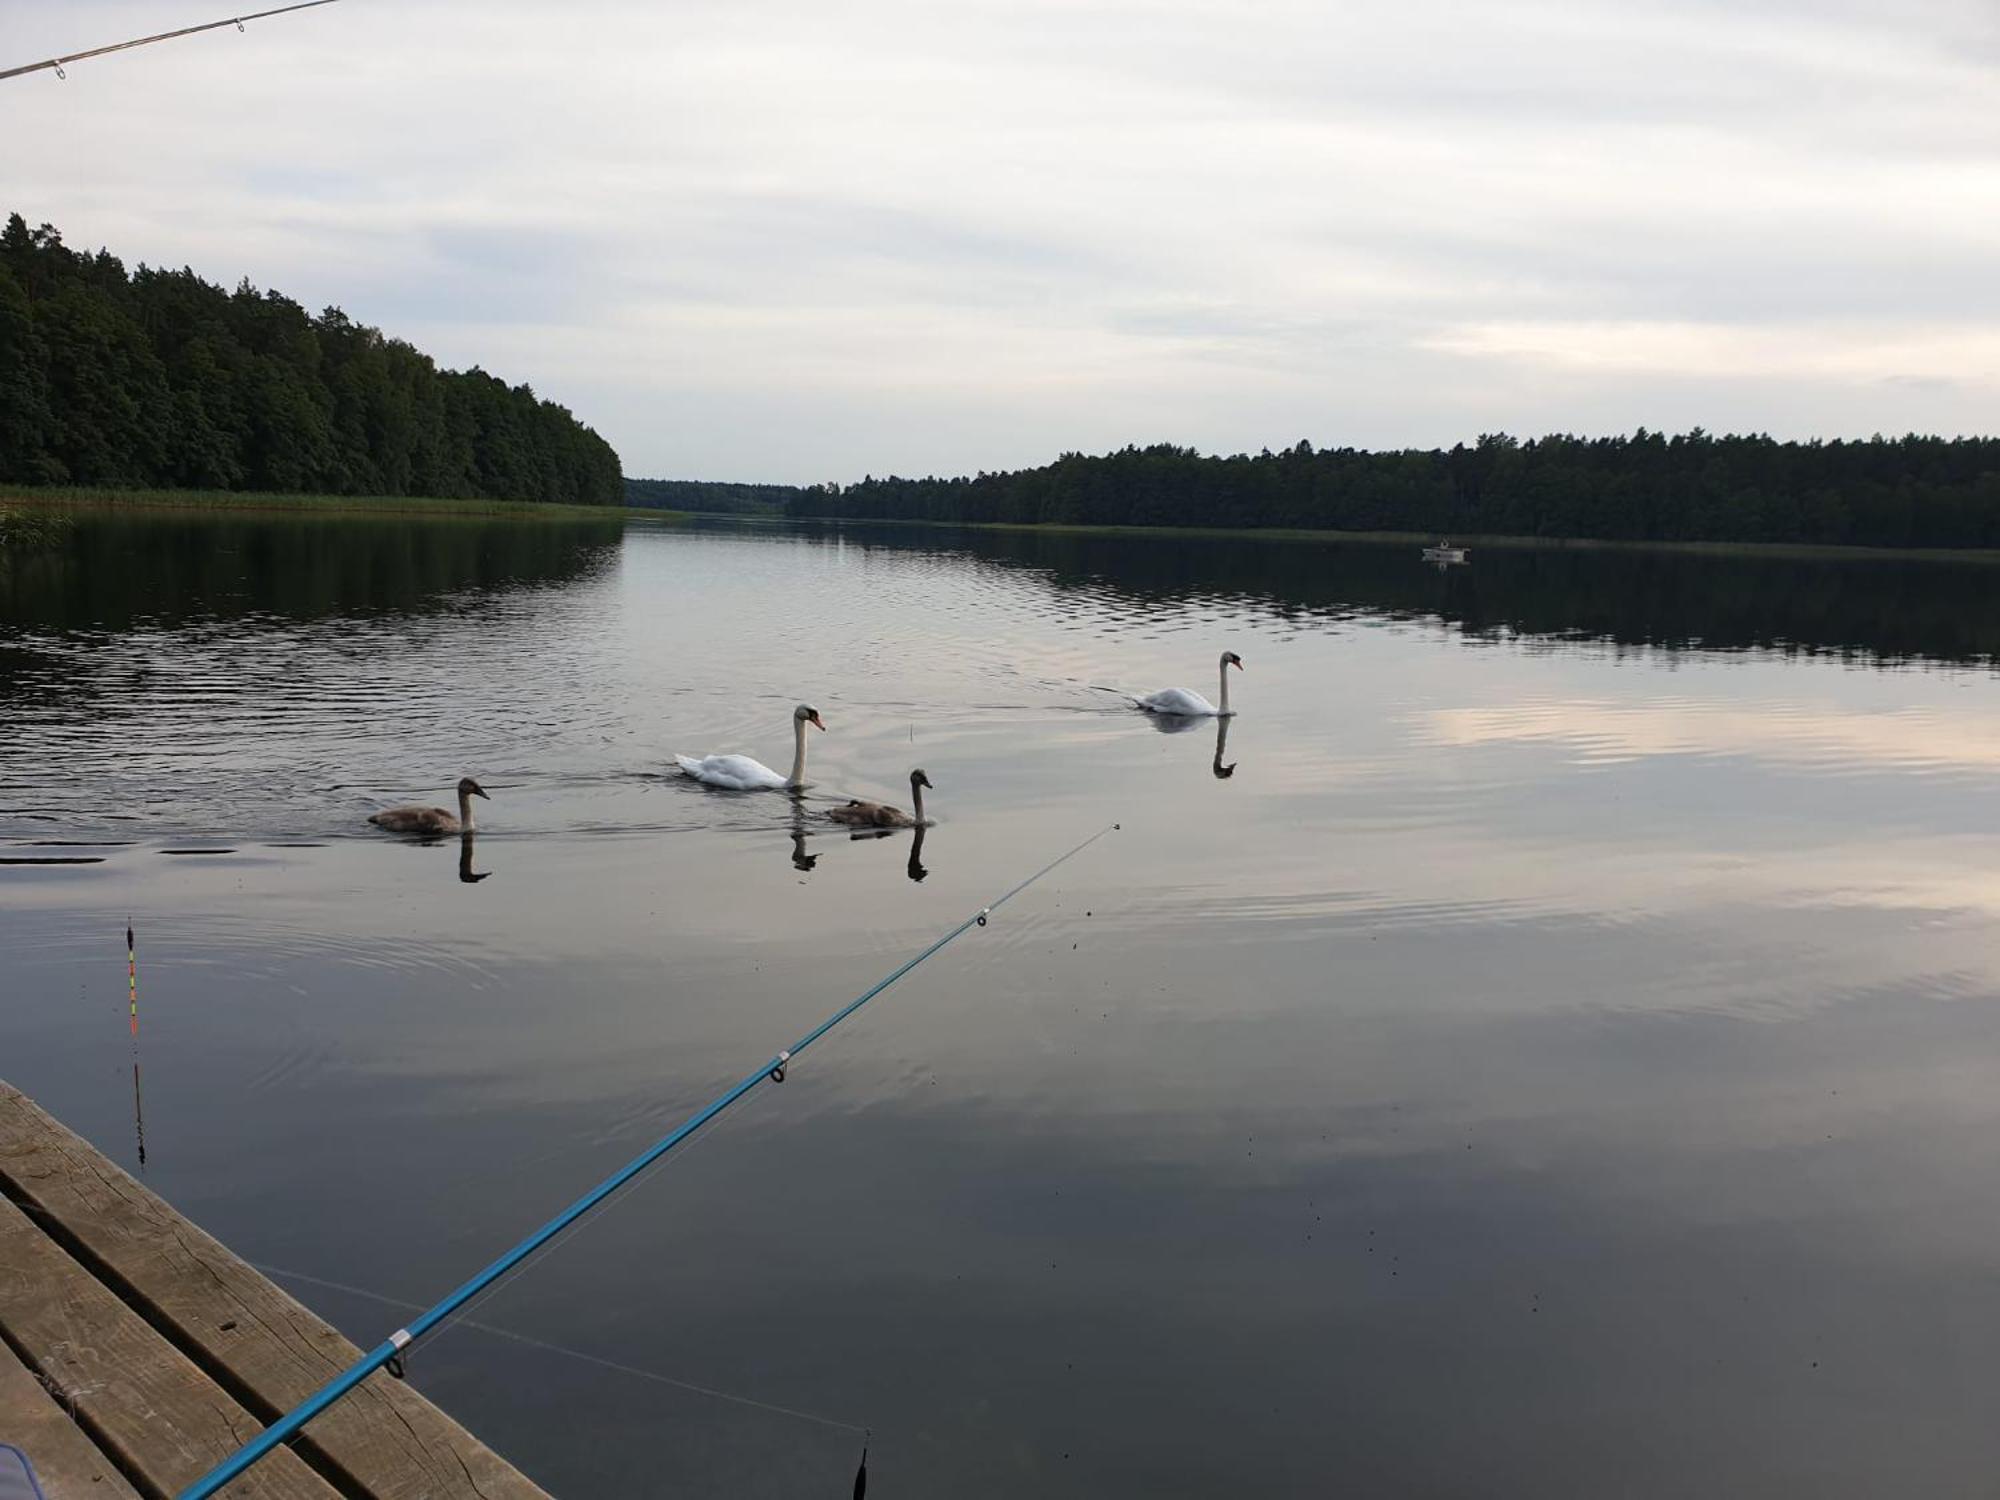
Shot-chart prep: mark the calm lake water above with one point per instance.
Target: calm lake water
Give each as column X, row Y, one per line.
column 1553, row 1048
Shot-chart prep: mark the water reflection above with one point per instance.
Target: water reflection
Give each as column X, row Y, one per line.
column 465, row 871
column 132, row 985
column 1525, row 984
column 1824, row 736
column 121, row 568
column 1882, row 606
column 801, row 860
column 138, row 1109
column 808, row 821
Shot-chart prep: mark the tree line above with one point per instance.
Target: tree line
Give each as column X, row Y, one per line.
column 161, row 380
column 712, row 497
column 1889, row 492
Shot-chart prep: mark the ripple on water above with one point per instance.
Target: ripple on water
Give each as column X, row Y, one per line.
column 1487, row 886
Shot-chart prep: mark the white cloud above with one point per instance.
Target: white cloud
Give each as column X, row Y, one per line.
column 1820, row 737
column 1837, row 353
column 781, row 240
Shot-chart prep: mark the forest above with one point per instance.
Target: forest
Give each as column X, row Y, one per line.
column 710, row 497
column 161, row 380
column 1885, row 492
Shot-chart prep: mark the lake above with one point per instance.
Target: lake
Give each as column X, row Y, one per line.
column 1552, row 1048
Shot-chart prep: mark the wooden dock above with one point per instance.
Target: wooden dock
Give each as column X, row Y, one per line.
column 136, row 1352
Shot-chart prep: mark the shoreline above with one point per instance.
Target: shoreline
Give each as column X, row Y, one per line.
column 1471, row 541
column 256, row 502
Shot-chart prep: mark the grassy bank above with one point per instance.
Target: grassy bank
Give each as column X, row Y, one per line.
column 22, row 529
column 21, row 497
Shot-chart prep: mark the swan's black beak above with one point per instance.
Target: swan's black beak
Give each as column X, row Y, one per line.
column 480, row 791
column 816, row 722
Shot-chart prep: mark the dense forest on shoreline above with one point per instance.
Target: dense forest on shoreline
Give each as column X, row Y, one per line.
column 1884, row 492
column 711, row 497
column 161, row 380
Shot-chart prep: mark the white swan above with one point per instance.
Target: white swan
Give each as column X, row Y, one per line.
column 739, row 773
column 1186, row 704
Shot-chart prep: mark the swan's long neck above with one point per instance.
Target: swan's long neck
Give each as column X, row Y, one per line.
column 798, row 777
column 464, row 812
column 1224, row 669
column 917, row 797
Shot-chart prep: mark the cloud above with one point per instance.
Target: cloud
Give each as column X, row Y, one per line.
column 1800, row 736
column 1897, row 353
column 774, row 240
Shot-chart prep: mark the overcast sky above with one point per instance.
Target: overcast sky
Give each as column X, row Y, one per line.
column 805, row 241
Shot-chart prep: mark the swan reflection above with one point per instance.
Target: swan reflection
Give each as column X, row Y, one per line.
column 804, row 825
column 800, row 859
column 874, row 820
column 1181, row 724
column 915, row 867
column 465, row 871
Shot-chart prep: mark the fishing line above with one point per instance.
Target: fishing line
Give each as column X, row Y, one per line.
column 162, row 36
column 463, row 1317
column 388, row 1354
column 285, row 1274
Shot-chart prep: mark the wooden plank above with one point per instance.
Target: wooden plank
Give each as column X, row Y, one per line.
column 144, row 1403
column 263, row 1346
column 68, row 1465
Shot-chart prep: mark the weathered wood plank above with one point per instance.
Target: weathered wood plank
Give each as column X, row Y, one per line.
column 141, row 1400
column 265, row 1347
column 68, row 1465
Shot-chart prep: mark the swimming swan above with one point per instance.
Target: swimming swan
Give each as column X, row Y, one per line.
column 880, row 814
column 1180, row 701
column 415, row 819
column 739, row 773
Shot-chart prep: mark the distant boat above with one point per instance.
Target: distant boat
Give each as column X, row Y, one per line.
column 1444, row 554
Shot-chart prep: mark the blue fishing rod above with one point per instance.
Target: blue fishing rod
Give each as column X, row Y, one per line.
column 58, row 64
column 389, row 1353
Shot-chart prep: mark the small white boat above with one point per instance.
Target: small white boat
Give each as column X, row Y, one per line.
column 1444, row 554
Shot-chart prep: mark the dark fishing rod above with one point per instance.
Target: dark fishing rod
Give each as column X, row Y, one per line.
column 389, row 1353
column 165, row 36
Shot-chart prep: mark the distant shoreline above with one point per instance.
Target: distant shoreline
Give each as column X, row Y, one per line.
column 1471, row 541
column 439, row 507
